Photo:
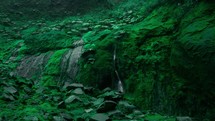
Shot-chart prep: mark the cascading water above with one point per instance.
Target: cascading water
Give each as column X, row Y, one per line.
column 119, row 82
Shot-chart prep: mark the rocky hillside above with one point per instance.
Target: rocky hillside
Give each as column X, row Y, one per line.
column 156, row 55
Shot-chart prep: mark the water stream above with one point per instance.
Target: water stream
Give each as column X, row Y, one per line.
column 119, row 82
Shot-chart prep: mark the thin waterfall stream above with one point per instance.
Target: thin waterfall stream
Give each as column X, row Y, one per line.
column 119, row 82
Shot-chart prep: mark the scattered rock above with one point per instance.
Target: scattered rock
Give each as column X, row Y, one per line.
column 116, row 113
column 99, row 117
column 88, row 110
column 58, row 118
column 98, row 101
column 185, row 118
column 78, row 91
column 73, row 98
column 66, row 116
column 30, row 118
column 8, row 97
column 74, row 86
column 11, row 89
column 125, row 107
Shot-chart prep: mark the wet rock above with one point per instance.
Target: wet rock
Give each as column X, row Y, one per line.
column 33, row 65
column 58, row 118
column 78, row 91
column 73, row 98
column 11, row 89
column 108, row 89
column 66, row 116
column 137, row 112
column 140, row 116
column 116, row 114
column 8, row 97
column 107, row 106
column 88, row 110
column 31, row 118
column 69, row 63
column 185, row 118
column 111, row 95
column 125, row 107
column 100, row 117
column 98, row 102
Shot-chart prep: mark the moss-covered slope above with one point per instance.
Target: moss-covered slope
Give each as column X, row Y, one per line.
column 162, row 51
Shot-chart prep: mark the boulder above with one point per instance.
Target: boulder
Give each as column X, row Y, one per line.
column 70, row 86
column 58, row 118
column 11, row 89
column 78, row 91
column 116, row 114
column 98, row 101
column 73, row 98
column 100, row 117
column 185, row 118
column 125, row 107
column 111, row 95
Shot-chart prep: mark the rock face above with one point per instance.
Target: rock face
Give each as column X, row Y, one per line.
column 33, row 65
column 69, row 63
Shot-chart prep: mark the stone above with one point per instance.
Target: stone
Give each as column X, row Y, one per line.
column 73, row 98
column 58, row 118
column 107, row 106
column 108, row 89
column 6, row 96
column 76, row 85
column 30, row 118
column 88, row 110
column 78, row 91
column 125, row 107
column 137, row 112
column 99, row 117
column 98, row 102
column 184, row 118
column 116, row 113
column 66, row 116
column 11, row 89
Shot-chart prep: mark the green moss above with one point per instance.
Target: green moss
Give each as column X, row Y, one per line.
column 53, row 65
column 48, row 81
column 48, row 40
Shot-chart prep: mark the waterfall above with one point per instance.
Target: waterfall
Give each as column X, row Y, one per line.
column 119, row 82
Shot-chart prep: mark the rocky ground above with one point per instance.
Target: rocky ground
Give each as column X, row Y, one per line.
column 25, row 101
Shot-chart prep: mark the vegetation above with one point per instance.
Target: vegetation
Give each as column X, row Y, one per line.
column 162, row 51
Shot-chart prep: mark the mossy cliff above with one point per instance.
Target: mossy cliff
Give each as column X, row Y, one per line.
column 162, row 51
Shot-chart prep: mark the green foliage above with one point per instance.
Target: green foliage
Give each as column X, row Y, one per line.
column 53, row 65
column 46, row 41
